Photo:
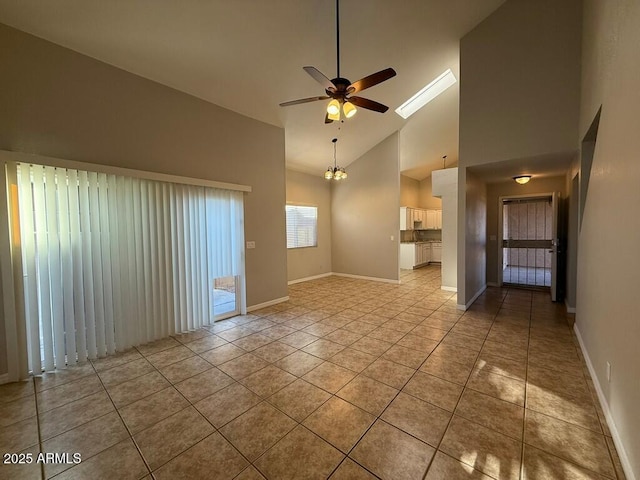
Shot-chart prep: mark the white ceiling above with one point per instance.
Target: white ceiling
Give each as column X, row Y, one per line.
column 247, row 56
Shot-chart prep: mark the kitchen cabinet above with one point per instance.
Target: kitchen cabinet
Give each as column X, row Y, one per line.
column 420, row 219
column 436, row 252
column 414, row 254
column 438, row 219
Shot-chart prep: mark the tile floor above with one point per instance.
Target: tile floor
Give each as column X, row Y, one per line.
column 349, row 379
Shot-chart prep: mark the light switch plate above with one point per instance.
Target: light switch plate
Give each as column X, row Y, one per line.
column 251, row 245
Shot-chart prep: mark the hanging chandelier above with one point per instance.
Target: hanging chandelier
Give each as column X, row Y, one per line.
column 335, row 172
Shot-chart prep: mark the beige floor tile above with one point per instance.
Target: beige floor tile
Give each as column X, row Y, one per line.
column 274, row 351
column 62, row 376
column 340, row 423
column 15, row 390
column 189, row 337
column 350, row 470
column 445, row 467
column 299, row 339
column 561, row 384
column 119, row 358
column 371, row 346
column 253, row 341
column 88, row 440
column 277, row 332
column 132, row 390
column 157, row 346
column 169, row 356
column 434, row 390
column 354, row 360
column 399, row 325
column 22, row 471
column 450, row 371
column 121, row 461
column 206, row 343
column 343, row 337
column 219, row 355
column 204, row 384
column 298, row 363
column 184, row 369
column 391, row 454
column 322, row 348
column 483, row 449
column 68, row 392
column 502, row 366
column 390, row 373
column 319, row 329
column 539, row 465
column 574, row 410
column 405, row 356
column 150, row 410
column 576, row 444
column 329, row 377
column 257, row 430
column 455, row 353
column 300, row 454
column 243, row 366
column 491, row 412
column 418, row 342
column 430, row 333
column 226, row 404
column 368, row 394
column 250, row 473
column 172, row 436
column 212, row 457
column 299, row 399
column 19, row 435
column 386, row 334
column 268, row 381
column 499, row 386
column 235, row 333
column 127, row 371
column 418, row 418
column 17, row 410
column 73, row 414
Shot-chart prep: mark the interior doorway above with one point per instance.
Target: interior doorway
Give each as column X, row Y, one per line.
column 529, row 235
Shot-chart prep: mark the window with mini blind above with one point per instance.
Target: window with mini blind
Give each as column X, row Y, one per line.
column 302, row 226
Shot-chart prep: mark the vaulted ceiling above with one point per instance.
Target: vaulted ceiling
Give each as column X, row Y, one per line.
column 247, row 56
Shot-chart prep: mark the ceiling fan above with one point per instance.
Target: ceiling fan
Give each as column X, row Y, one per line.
column 339, row 89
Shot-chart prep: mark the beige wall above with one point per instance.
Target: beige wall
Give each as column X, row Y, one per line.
column 314, row 190
column 475, row 236
column 608, row 263
column 519, row 98
column 497, row 190
column 365, row 214
column 417, row 193
column 58, row 103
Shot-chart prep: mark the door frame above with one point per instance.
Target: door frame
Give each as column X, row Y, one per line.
column 554, row 233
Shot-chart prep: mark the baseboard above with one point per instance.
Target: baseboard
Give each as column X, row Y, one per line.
column 4, row 378
column 448, row 289
column 475, row 297
column 622, row 453
column 362, row 277
column 569, row 309
column 306, row 279
column 267, row 304
column 492, row 284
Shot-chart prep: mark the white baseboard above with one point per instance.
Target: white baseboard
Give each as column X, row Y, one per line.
column 4, row 378
column 569, row 309
column 267, row 304
column 362, row 277
column 306, row 279
column 475, row 297
column 622, row 453
column 448, row 289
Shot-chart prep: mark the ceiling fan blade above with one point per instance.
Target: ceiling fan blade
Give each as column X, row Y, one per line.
column 303, row 100
column 320, row 77
column 371, row 80
column 327, row 119
column 368, row 104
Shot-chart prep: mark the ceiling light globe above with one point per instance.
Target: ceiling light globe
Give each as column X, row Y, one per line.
column 349, row 109
column 333, row 108
column 344, row 174
column 328, row 174
column 522, row 179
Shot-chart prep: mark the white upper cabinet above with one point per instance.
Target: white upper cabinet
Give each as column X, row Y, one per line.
column 418, row 218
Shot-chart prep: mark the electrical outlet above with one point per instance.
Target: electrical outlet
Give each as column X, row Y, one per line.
column 608, row 372
column 251, row 245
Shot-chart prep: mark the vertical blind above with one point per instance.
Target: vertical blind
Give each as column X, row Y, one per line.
column 111, row 261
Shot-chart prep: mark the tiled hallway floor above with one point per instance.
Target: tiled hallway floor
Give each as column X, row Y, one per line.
column 349, row 379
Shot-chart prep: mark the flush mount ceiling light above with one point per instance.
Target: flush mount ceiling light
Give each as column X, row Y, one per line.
column 522, row 179
column 335, row 173
column 427, row 94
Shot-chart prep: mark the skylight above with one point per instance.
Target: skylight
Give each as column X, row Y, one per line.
column 427, row 94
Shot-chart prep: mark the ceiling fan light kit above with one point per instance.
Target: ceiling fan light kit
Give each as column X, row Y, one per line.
column 339, row 89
